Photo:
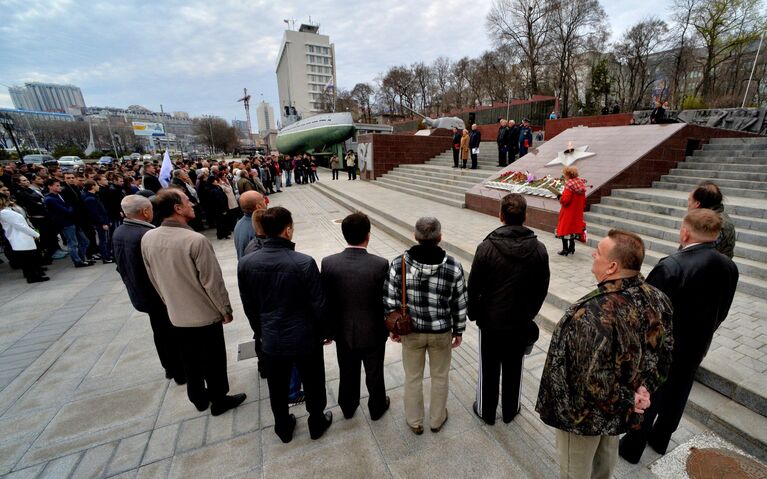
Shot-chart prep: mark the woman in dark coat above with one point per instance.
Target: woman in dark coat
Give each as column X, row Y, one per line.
column 571, row 225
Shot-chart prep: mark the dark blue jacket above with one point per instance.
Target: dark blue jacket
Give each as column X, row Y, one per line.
column 475, row 138
column 126, row 242
column 97, row 214
column 283, row 298
column 61, row 214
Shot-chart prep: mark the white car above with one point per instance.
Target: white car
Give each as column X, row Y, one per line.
column 147, row 157
column 71, row 162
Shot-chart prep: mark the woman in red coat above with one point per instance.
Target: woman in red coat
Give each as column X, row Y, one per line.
column 570, row 225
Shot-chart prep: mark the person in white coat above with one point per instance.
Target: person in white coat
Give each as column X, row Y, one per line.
column 22, row 238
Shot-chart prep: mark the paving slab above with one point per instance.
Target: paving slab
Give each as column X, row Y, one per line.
column 95, row 403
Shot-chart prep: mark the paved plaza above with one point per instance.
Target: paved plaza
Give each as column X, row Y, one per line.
column 82, row 393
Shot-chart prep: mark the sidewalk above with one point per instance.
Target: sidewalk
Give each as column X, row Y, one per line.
column 94, row 402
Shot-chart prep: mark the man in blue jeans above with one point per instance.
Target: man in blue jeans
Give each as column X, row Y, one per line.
column 97, row 215
column 63, row 218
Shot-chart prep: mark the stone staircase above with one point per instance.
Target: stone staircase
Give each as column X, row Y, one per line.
column 656, row 213
column 437, row 180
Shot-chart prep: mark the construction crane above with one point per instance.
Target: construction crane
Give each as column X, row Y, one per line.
column 246, row 100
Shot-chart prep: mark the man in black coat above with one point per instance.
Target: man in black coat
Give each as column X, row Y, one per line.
column 503, row 143
column 353, row 282
column 475, row 139
column 130, row 264
column 513, row 141
column 701, row 284
column 150, row 180
column 456, row 146
column 283, row 299
column 508, row 282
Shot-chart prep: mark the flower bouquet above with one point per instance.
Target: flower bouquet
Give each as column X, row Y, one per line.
column 525, row 183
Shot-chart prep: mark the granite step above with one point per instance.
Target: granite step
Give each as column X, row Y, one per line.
column 417, row 181
column 757, row 156
column 460, row 184
column 727, row 174
column 742, row 419
column 434, row 194
column 693, row 180
column 732, row 205
column 738, row 147
column 726, row 191
column 662, row 213
column 446, row 172
column 739, row 141
column 690, row 164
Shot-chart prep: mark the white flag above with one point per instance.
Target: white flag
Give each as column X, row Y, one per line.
column 165, row 170
column 329, row 85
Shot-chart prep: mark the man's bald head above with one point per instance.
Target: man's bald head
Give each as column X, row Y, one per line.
column 251, row 201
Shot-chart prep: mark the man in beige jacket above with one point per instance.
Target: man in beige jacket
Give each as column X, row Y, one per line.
column 183, row 268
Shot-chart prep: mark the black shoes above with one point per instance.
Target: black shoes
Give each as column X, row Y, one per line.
column 83, row 265
column 108, row 261
column 508, row 419
column 318, row 431
column 564, row 252
column 228, row 402
column 38, row 279
column 476, row 411
column 380, row 415
column 201, row 406
column 287, row 435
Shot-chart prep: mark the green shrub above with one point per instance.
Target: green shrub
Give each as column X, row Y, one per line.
column 693, row 103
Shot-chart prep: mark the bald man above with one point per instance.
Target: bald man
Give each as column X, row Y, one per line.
column 250, row 201
column 126, row 243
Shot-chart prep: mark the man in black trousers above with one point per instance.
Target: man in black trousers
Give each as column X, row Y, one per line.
column 456, row 146
column 508, row 282
column 353, row 282
column 701, row 284
column 130, row 264
column 282, row 297
column 503, row 143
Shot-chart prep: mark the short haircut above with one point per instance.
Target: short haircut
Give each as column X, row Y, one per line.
column 428, row 230
column 704, row 223
column 356, row 228
column 51, row 181
column 166, row 201
column 629, row 249
column 275, row 220
column 88, row 185
column 570, row 171
column 513, row 209
column 707, row 194
column 132, row 204
column 256, row 221
column 178, row 173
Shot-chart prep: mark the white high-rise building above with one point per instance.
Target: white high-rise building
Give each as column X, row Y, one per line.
column 49, row 97
column 265, row 118
column 306, row 70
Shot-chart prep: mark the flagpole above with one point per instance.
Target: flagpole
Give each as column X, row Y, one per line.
column 753, row 67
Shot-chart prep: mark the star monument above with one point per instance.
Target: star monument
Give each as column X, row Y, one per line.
column 571, row 155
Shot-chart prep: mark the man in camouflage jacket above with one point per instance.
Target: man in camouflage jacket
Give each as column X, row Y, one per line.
column 610, row 350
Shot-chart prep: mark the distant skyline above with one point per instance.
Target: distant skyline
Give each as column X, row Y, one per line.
column 197, row 56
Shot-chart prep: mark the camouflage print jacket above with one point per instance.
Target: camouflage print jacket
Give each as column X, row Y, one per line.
column 608, row 344
column 725, row 243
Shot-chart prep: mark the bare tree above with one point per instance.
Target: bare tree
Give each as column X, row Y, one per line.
column 723, row 26
column 424, row 78
column 362, row 93
column 577, row 26
column 441, row 68
column 632, row 53
column 525, row 25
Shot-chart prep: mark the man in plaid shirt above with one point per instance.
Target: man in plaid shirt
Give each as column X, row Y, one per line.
column 437, row 302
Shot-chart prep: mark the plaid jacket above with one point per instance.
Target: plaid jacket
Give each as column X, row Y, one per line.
column 436, row 294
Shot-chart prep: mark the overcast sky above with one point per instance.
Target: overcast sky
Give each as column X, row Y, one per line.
column 196, row 56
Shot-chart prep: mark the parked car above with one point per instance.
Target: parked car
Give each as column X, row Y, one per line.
column 68, row 163
column 106, row 160
column 147, row 157
column 45, row 160
column 135, row 156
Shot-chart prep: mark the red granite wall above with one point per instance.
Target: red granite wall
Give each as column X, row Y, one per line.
column 555, row 127
column 390, row 151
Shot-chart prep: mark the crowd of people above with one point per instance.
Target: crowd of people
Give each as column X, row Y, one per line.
column 621, row 361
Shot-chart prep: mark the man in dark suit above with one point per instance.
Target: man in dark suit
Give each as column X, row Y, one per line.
column 150, row 180
column 503, row 143
column 701, row 284
column 126, row 243
column 475, row 139
column 508, row 282
column 353, row 281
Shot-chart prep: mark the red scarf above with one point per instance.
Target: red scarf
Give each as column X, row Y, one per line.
column 576, row 185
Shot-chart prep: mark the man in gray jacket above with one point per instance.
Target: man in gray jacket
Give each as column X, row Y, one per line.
column 183, row 268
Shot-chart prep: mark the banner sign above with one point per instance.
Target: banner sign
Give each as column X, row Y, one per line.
column 141, row 128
